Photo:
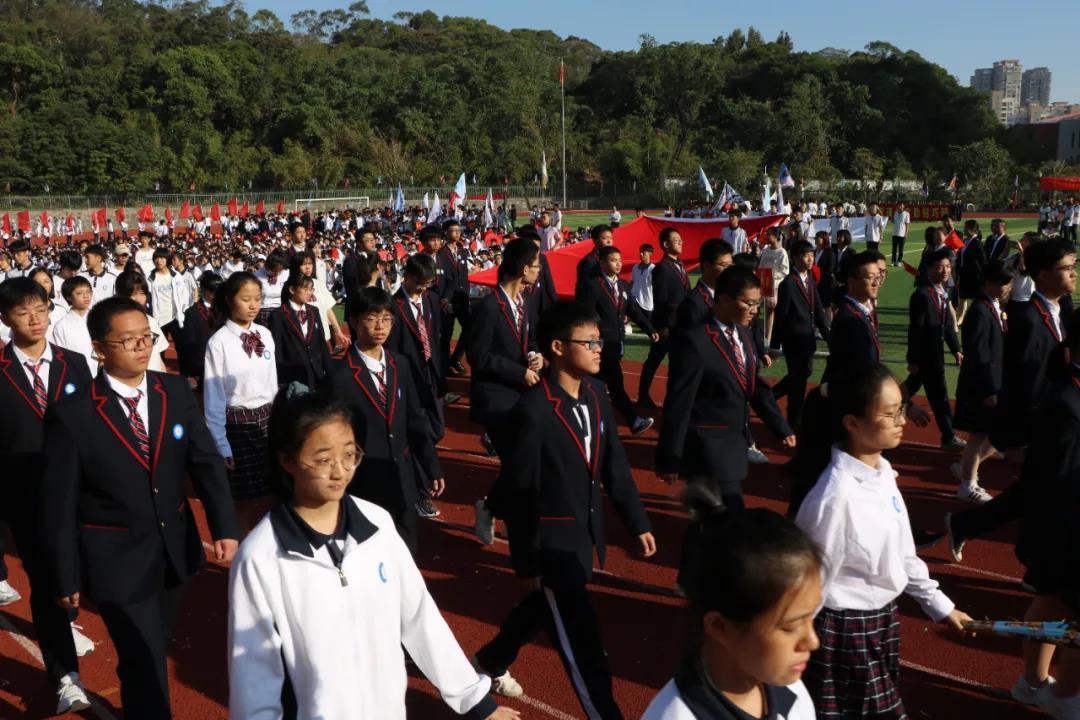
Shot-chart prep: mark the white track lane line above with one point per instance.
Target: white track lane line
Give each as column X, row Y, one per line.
column 986, row 689
column 32, row 650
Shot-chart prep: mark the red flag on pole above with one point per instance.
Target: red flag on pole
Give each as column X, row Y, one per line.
column 22, row 218
column 260, row 208
column 215, row 213
column 910, row 268
column 197, row 213
column 168, row 215
column 45, row 217
column 146, row 214
column 280, row 207
column 954, row 240
column 185, row 210
column 69, row 221
column 232, row 206
column 120, row 214
column 7, row 223
column 244, row 210
column 101, row 216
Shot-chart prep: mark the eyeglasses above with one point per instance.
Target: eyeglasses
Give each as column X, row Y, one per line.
column 1066, row 268
column 378, row 320
column 323, row 467
column 898, row 416
column 134, row 343
column 588, row 344
column 873, row 279
column 754, row 306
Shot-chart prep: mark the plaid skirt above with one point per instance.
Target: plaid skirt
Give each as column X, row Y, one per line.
column 246, row 429
column 856, row 671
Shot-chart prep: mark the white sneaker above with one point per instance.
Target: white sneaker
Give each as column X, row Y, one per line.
column 1025, row 693
column 756, row 456
column 83, row 644
column 974, row 494
column 504, row 684
column 1060, row 708
column 8, row 594
column 70, row 695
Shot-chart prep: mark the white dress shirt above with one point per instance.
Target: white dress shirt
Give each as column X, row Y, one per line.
column 1055, row 313
column 304, row 325
column 234, row 380
column 858, row 518
column 641, row 285
column 104, row 285
column 735, row 237
column 725, row 329
column 126, row 391
column 271, row 292
column 45, row 359
column 71, row 333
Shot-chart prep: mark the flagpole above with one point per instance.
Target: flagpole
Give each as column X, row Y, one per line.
column 562, row 94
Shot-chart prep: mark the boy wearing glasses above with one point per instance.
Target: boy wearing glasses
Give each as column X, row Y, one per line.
column 379, row 387
column 36, row 376
column 118, row 453
column 713, row 382
column 566, row 451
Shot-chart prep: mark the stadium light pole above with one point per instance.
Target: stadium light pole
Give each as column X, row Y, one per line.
column 562, row 93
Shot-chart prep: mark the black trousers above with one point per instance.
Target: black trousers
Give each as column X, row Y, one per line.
column 898, row 248
column 52, row 623
column 446, row 327
column 691, row 558
column 460, row 304
column 800, row 366
column 657, row 352
column 932, row 377
column 1006, row 507
column 500, row 429
column 140, row 631
column 3, row 565
column 571, row 623
column 1070, row 232
column 871, row 245
column 612, row 374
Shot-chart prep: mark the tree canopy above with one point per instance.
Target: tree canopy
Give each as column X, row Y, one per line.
column 120, row 95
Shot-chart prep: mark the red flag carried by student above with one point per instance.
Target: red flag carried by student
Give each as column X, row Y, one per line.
column 7, row 223
column 45, row 217
column 69, row 221
column 281, row 207
column 244, row 210
column 168, row 216
column 22, row 219
column 908, row 267
column 215, row 213
column 185, row 210
column 260, row 208
column 954, row 241
column 232, row 206
column 197, row 213
column 120, row 214
column 146, row 214
column 101, row 216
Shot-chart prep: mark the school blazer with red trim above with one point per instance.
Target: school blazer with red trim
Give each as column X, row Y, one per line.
column 497, row 357
column 1033, row 359
column 22, row 424
column 557, row 514
column 301, row 357
column 116, row 527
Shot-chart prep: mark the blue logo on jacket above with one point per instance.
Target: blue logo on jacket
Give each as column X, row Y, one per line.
column 382, row 572
column 178, row 431
column 69, row 389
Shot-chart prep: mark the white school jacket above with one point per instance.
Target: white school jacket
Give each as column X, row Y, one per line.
column 670, row 705
column 292, row 615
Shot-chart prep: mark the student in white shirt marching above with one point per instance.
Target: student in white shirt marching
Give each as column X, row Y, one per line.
column 856, row 515
column 734, row 235
column 641, row 279
column 44, row 278
column 101, row 280
column 900, row 220
column 144, row 255
column 172, row 293
column 775, row 258
column 324, row 597
column 272, row 277
column 875, row 227
column 132, row 284
column 752, row 596
column 70, row 331
column 239, row 385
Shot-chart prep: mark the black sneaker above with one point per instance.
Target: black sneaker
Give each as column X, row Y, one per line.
column 425, row 508
column 925, row 539
column 458, row 370
column 489, row 447
column 953, row 443
column 450, row 398
column 641, row 424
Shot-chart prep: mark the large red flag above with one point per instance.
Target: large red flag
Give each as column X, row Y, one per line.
column 185, row 210
column 280, row 207
column 168, row 215
column 197, row 213
column 120, row 214
column 7, row 223
column 244, row 210
column 232, row 206
column 69, row 221
column 45, row 217
column 954, row 240
column 260, row 208
column 215, row 213
column 146, row 215
column 101, row 216
column 22, row 218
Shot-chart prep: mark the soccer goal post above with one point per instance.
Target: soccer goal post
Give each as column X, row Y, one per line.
column 317, row 203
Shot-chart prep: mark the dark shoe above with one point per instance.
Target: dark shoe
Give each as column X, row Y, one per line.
column 956, row 540
column 646, row 403
column 640, row 425
column 489, row 447
column 953, row 443
column 451, row 398
column 425, row 508
column 458, row 370
column 484, row 522
column 925, row 539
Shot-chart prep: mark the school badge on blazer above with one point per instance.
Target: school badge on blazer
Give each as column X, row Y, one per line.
column 178, row 431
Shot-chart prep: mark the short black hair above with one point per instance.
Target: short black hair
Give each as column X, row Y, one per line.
column 937, row 256
column 854, row 261
column 420, row 266
column 230, row 288
column 19, row 291
column 70, row 260
column 734, row 280
column 99, row 319
column 73, row 283
column 96, row 249
column 646, row 248
column 429, row 232
column 368, row 300
column 18, row 246
column 801, row 247
column 996, row 271
column 298, row 279
column 449, row 224
column 713, row 249
column 559, row 320
column 277, row 260
column 528, row 231
column 518, row 254
column 210, row 281
column 608, row 251
column 666, row 234
column 1045, row 255
column 598, row 230
column 130, row 281
column 162, row 253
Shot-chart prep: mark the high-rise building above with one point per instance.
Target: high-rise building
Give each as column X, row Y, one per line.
column 983, row 80
column 1035, row 87
column 1003, row 83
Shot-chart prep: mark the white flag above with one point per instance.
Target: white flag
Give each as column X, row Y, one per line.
column 427, row 202
column 436, row 210
column 704, row 182
column 543, row 170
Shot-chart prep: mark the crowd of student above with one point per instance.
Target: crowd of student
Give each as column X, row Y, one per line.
column 313, row 470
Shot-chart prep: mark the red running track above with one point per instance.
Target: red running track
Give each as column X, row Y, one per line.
column 944, row 675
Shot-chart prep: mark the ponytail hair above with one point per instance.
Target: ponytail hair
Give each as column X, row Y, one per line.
column 822, row 424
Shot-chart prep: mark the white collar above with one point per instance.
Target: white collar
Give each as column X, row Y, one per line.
column 23, row 358
column 860, row 470
column 373, row 365
column 124, row 390
column 1055, row 308
column 237, row 330
column 867, row 309
column 295, row 307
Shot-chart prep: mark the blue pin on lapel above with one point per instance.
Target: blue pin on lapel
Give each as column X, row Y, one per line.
column 69, row 389
column 178, row 431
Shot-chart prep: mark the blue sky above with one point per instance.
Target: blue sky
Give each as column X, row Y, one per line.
column 960, row 35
